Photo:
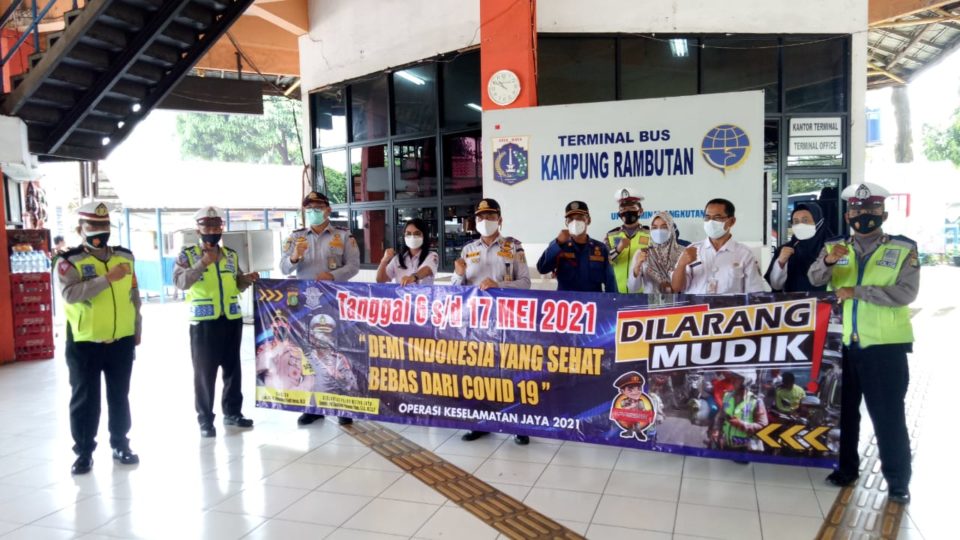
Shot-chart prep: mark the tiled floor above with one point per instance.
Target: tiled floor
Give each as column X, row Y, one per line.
column 283, row 481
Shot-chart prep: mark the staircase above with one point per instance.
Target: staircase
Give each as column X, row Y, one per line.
column 111, row 65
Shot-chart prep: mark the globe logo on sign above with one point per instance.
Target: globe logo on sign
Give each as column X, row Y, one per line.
column 725, row 147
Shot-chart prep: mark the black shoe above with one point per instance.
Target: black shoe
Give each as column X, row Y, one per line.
column 344, row 421
column 841, row 479
column 82, row 465
column 125, row 456
column 306, row 419
column 474, row 435
column 207, row 430
column 900, row 495
column 238, row 421
column 522, row 440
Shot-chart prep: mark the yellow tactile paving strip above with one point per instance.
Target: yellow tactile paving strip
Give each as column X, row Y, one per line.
column 504, row 513
column 862, row 511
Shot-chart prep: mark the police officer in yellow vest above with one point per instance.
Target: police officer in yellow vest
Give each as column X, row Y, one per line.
column 626, row 240
column 213, row 279
column 103, row 316
column 875, row 276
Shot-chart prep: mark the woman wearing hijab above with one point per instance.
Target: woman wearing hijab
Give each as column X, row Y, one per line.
column 652, row 268
column 788, row 270
column 414, row 264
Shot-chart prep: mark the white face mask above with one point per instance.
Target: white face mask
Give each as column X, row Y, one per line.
column 804, row 231
column 577, row 228
column 660, row 236
column 413, row 242
column 487, row 227
column 714, row 229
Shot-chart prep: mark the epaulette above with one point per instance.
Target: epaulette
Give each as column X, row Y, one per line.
column 231, row 250
column 904, row 239
column 122, row 249
column 838, row 238
column 300, row 229
column 511, row 240
column 614, row 230
column 71, row 252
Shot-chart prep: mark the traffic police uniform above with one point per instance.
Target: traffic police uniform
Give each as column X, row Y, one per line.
column 332, row 250
column 877, row 335
column 502, row 261
column 638, row 236
column 103, row 328
column 216, row 326
column 579, row 267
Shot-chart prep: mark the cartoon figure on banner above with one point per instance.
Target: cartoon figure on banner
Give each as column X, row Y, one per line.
column 333, row 372
column 633, row 410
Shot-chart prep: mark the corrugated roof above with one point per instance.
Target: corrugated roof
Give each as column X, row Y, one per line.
column 902, row 47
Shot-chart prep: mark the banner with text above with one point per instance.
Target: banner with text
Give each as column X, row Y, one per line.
column 746, row 377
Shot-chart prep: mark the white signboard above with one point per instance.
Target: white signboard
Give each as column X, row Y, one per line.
column 815, row 146
column 678, row 152
column 816, row 127
column 816, row 136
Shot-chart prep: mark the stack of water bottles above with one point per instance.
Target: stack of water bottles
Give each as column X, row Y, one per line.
column 29, row 262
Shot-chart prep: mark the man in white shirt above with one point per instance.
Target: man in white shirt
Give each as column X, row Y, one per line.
column 718, row 264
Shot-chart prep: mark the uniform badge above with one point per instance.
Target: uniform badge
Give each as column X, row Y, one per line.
column 890, row 258
column 331, row 263
column 63, row 267
column 336, row 242
column 230, row 265
column 287, row 244
column 312, row 296
column 293, row 296
column 88, row 271
column 914, row 259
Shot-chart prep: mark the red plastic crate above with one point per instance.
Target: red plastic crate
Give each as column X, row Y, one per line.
column 38, row 347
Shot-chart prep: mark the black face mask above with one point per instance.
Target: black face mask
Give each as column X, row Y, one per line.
column 97, row 241
column 212, row 239
column 866, row 223
column 630, row 217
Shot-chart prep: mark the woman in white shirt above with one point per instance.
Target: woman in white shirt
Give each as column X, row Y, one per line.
column 413, row 265
column 652, row 268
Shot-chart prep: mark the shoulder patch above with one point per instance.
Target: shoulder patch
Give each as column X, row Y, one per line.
column 122, row 249
column 614, row 230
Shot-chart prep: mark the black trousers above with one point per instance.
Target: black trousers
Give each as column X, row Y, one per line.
column 878, row 375
column 86, row 361
column 216, row 344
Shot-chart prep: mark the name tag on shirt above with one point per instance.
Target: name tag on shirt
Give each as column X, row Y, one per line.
column 890, row 258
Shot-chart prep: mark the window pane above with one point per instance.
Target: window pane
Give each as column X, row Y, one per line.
column 737, row 64
column 461, row 91
column 415, row 102
column 813, row 74
column 575, row 70
column 823, row 190
column 368, row 173
column 658, row 68
column 368, row 109
column 428, row 214
column 329, row 117
column 369, row 228
column 415, row 169
column 331, row 171
column 462, row 166
column 458, row 230
column 771, row 153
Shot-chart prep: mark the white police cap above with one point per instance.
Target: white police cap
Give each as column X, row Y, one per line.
column 627, row 195
column 864, row 192
column 94, row 211
column 208, row 213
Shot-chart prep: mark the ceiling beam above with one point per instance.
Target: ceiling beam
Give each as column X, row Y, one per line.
column 917, row 22
column 881, row 71
column 906, row 48
column 891, row 10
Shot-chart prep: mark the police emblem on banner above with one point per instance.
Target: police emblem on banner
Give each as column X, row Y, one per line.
column 725, row 147
column 511, row 159
column 312, row 295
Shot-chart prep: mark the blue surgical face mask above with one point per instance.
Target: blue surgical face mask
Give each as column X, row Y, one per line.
column 315, row 216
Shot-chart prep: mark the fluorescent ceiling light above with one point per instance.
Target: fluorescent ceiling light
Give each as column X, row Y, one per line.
column 475, row 107
column 411, row 78
column 679, row 47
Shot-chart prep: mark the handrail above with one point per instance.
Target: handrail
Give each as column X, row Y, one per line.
column 14, row 5
column 32, row 29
